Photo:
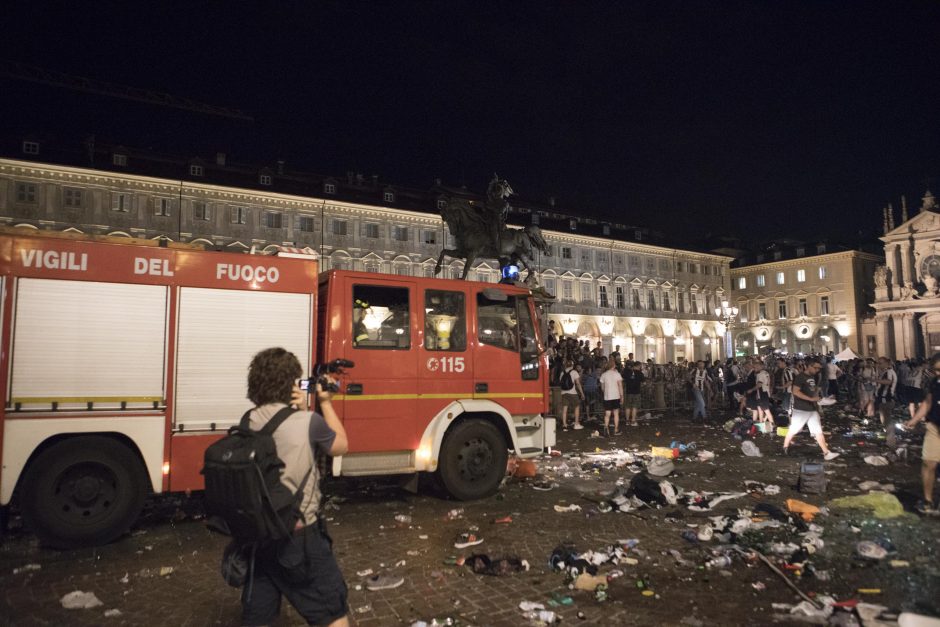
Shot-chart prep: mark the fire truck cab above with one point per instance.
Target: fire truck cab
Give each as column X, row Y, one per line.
column 449, row 376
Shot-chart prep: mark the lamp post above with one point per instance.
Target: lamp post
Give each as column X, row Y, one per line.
column 727, row 313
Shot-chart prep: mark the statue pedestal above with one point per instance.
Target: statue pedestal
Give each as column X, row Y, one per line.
column 881, row 294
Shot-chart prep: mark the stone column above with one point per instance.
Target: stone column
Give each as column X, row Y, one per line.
column 884, row 337
column 906, row 264
column 900, row 336
column 910, row 336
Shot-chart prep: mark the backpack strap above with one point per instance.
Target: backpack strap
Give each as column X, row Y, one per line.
column 283, row 414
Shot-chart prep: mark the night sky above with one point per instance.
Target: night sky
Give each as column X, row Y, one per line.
column 765, row 119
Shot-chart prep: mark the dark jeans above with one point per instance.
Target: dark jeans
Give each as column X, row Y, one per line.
column 304, row 570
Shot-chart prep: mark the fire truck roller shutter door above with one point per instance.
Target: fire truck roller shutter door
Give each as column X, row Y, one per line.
column 83, row 491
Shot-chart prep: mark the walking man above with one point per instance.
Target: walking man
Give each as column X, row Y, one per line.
column 612, row 385
column 700, row 381
column 805, row 411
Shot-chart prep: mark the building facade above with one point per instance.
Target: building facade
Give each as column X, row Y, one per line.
column 906, row 323
column 654, row 301
column 802, row 299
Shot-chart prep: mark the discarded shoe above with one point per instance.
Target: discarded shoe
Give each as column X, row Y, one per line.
column 467, row 539
column 384, row 582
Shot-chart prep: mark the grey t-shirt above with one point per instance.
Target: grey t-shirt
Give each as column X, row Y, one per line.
column 299, row 439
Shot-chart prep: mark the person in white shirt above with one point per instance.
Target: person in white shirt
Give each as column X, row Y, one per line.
column 831, row 379
column 612, row 385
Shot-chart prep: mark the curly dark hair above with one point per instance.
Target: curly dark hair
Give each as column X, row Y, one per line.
column 271, row 376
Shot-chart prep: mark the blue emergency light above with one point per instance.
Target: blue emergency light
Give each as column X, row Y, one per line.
column 511, row 272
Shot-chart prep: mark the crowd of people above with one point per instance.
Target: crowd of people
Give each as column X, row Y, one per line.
column 765, row 391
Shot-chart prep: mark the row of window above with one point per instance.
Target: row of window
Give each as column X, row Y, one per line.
column 635, row 264
column 782, row 312
column 640, row 299
column 761, row 280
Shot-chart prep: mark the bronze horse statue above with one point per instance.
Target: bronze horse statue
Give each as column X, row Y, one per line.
column 476, row 237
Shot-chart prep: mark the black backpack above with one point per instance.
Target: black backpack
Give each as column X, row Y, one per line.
column 243, row 483
column 566, row 381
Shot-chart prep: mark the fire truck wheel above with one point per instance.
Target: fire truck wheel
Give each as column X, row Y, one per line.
column 473, row 460
column 83, row 491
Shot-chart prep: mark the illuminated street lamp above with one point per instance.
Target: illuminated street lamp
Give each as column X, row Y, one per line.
column 727, row 314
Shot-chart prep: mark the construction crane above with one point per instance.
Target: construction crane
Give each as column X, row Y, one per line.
column 23, row 71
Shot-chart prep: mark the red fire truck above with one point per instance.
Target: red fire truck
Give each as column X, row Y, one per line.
column 124, row 359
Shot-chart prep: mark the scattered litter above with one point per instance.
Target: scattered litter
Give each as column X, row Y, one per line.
column 705, row 456
column 365, row 573
column 364, row 609
column 484, row 565
column 525, row 469
column 27, row 568
column 806, row 510
column 528, row 606
column 125, row 579
column 882, row 504
column 900, row 563
column 112, row 613
column 750, row 449
column 909, row 619
column 869, row 590
column 405, row 519
column 78, row 600
column 867, row 486
column 665, row 452
column 166, row 570
column 454, row 514
column 546, row 617
column 759, row 586
column 871, row 550
column 505, row 520
column 877, row 460
column 660, row 467
column 568, row 508
column 423, row 536
column 586, row 581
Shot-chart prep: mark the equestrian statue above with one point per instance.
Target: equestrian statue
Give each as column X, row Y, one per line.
column 480, row 230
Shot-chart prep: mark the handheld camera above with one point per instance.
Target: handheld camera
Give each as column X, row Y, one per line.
column 320, row 370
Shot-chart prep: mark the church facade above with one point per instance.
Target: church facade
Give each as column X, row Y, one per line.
column 906, row 323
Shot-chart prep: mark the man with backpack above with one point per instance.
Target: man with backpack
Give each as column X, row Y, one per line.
column 291, row 556
column 571, row 395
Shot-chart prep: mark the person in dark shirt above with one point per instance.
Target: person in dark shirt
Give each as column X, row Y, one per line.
column 805, row 392
column 929, row 411
column 632, row 386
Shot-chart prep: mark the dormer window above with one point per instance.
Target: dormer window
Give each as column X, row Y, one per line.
column 573, row 224
column 264, row 179
column 196, row 170
column 800, row 251
column 388, row 196
column 441, row 203
column 820, row 249
column 31, row 148
column 119, row 159
column 329, row 188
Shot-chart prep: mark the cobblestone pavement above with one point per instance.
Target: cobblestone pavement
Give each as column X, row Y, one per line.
column 126, row 575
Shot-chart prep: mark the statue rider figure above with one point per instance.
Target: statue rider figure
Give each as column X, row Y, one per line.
column 497, row 206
